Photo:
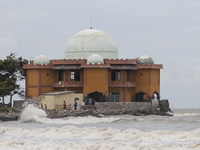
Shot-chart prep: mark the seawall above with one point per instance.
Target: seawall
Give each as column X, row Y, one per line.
column 102, row 109
column 107, row 108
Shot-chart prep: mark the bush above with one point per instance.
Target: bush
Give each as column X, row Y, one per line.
column 7, row 109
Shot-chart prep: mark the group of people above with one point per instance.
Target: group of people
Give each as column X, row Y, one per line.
column 64, row 105
column 75, row 105
column 45, row 106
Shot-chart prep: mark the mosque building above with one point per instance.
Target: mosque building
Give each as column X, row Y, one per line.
column 91, row 67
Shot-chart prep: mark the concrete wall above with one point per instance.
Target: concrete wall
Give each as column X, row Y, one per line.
column 123, row 108
column 106, row 108
column 48, row 100
column 155, row 103
column 56, row 101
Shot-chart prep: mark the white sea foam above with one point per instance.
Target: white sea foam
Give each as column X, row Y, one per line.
column 119, row 132
column 32, row 113
column 187, row 114
column 70, row 137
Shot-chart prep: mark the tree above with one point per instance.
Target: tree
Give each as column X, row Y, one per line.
column 11, row 71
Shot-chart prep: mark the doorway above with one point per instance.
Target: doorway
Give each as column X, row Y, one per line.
column 95, row 97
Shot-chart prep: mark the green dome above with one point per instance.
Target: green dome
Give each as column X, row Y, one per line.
column 91, row 41
column 145, row 59
column 95, row 58
column 41, row 59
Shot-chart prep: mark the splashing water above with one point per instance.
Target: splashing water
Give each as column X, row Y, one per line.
column 114, row 132
column 32, row 114
column 35, row 114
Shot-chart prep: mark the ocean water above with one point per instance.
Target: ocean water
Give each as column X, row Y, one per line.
column 36, row 132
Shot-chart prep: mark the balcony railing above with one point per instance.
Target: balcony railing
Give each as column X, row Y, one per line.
column 120, row 84
column 80, row 84
column 67, row 84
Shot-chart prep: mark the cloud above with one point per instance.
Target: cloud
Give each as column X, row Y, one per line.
column 192, row 80
column 165, row 77
column 7, row 44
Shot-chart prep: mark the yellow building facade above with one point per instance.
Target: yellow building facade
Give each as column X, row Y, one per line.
column 91, row 67
column 55, row 100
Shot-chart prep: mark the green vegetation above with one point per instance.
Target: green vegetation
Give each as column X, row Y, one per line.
column 7, row 109
column 11, row 71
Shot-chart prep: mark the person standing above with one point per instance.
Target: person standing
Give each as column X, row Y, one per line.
column 41, row 106
column 45, row 106
column 64, row 105
column 75, row 105
column 82, row 103
column 90, row 101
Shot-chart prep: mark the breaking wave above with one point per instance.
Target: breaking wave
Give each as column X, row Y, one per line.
column 70, row 137
column 114, row 132
column 32, row 114
column 35, row 114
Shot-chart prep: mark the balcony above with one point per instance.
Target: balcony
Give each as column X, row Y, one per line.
column 67, row 84
column 120, row 84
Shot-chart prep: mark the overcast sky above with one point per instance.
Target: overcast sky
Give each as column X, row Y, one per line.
column 166, row 30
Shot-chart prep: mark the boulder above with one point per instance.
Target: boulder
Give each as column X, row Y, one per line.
column 164, row 106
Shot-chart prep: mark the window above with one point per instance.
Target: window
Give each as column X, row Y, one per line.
column 60, row 75
column 128, row 75
column 115, row 75
column 114, row 97
column 75, row 75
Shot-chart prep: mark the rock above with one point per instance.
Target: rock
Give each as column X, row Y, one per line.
column 164, row 106
column 107, row 108
column 9, row 117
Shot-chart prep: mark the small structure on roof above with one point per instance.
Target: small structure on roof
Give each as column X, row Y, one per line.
column 41, row 59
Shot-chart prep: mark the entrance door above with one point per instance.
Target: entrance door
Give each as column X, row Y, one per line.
column 95, row 97
column 114, row 97
column 141, row 97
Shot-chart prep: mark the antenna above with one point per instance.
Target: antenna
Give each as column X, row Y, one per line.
column 90, row 23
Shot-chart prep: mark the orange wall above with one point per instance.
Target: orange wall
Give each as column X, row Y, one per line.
column 46, row 89
column 32, row 92
column 155, row 81
column 47, row 77
column 32, row 80
column 32, row 77
column 45, row 80
column 75, row 89
column 95, row 81
column 128, row 95
column 148, row 82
